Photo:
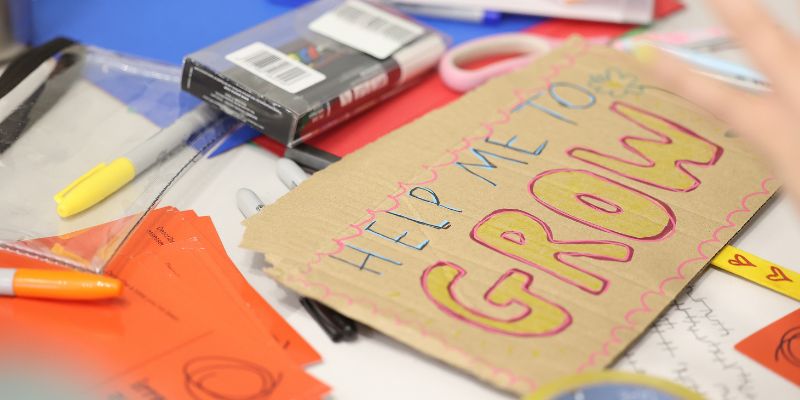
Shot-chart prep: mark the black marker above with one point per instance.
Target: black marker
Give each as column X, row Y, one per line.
column 336, row 326
column 33, row 82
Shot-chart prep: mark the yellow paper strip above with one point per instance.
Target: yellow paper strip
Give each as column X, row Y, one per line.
column 759, row 270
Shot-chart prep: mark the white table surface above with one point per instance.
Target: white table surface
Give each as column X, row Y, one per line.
column 376, row 366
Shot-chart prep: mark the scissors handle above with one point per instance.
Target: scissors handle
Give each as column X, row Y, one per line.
column 529, row 47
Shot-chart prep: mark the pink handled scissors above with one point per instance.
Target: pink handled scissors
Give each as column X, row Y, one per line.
column 457, row 78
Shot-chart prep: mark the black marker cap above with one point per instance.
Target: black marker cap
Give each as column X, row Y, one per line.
column 336, row 326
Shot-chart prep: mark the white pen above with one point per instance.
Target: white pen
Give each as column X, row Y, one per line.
column 713, row 67
column 248, row 202
column 103, row 180
column 336, row 326
column 290, row 173
column 726, row 69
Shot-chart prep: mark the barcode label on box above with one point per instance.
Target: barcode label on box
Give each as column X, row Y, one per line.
column 366, row 28
column 275, row 67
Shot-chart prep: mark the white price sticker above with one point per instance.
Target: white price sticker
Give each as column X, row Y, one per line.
column 366, row 28
column 275, row 67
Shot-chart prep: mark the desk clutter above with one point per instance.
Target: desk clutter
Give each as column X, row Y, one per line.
column 527, row 214
column 547, row 232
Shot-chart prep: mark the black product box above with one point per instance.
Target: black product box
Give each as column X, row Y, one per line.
column 300, row 74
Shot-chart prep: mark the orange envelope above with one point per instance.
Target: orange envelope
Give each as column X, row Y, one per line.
column 777, row 347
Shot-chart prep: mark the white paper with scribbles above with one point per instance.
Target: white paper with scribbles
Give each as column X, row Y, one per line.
column 693, row 342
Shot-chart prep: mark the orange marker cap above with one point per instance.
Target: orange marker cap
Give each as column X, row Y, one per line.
column 64, row 285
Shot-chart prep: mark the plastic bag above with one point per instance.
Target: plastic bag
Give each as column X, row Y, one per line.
column 94, row 106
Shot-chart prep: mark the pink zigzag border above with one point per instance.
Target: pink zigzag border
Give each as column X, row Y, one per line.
column 702, row 256
column 504, row 117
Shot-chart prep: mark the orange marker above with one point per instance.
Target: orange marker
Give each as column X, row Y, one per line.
column 60, row 285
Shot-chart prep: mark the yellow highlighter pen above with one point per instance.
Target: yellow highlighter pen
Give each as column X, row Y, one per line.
column 105, row 179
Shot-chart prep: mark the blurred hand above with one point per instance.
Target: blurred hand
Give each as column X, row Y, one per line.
column 770, row 121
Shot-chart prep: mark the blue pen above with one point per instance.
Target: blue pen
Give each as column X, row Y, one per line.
column 459, row 13
column 466, row 14
column 715, row 67
column 290, row 2
column 235, row 139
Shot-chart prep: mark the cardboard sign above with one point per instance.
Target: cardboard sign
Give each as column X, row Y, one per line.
column 529, row 230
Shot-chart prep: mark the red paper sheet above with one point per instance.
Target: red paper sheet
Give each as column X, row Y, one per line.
column 431, row 93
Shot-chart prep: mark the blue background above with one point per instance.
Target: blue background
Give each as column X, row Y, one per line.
column 166, row 30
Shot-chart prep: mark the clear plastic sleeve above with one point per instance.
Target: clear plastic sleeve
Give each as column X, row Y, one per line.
column 94, row 106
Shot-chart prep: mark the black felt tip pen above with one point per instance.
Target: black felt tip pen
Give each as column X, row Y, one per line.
column 336, row 326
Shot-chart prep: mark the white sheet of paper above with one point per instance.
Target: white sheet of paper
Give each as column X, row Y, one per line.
column 693, row 343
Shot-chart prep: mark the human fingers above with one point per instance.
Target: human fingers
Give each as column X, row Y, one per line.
column 742, row 110
column 763, row 121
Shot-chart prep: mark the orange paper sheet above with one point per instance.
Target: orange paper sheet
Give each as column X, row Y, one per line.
column 167, row 225
column 777, row 347
column 187, row 325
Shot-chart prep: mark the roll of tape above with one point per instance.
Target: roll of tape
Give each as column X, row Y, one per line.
column 612, row 385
